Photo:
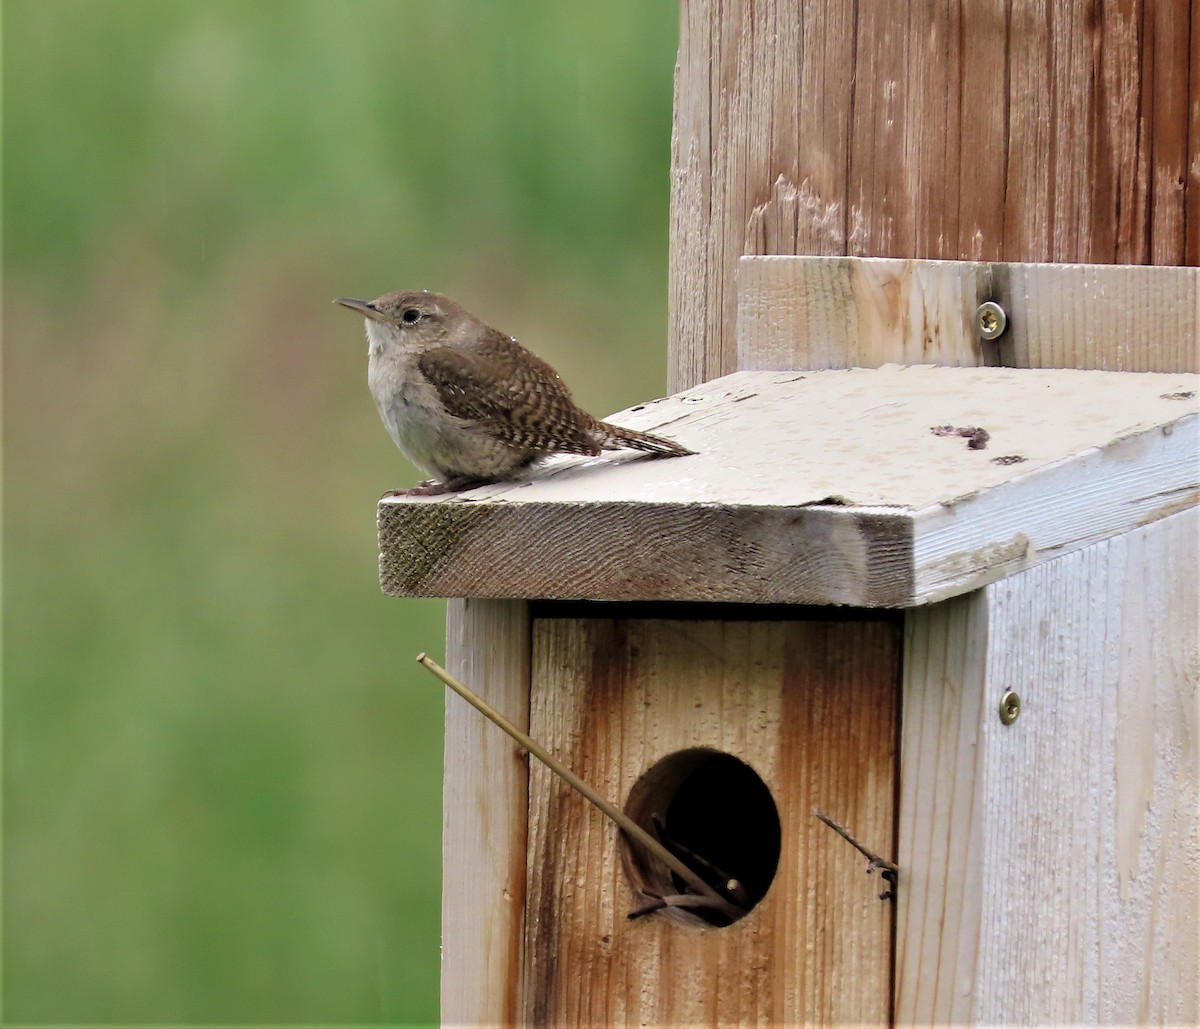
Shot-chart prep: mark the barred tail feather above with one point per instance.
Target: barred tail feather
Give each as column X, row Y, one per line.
column 614, row 437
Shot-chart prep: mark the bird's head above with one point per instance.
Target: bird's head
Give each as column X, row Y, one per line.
column 411, row 319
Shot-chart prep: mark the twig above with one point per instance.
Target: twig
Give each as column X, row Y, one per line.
column 890, row 873
column 623, row 821
column 687, row 901
column 733, row 888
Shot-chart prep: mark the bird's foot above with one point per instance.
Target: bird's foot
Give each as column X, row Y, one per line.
column 436, row 487
column 428, row 488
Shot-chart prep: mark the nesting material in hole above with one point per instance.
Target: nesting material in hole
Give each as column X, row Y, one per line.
column 716, row 814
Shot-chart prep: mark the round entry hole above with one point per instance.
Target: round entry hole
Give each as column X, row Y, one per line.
column 715, row 814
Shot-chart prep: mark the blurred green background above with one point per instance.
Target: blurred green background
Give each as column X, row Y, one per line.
column 221, row 768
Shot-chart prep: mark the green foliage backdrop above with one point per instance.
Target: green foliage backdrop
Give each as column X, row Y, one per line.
column 221, row 768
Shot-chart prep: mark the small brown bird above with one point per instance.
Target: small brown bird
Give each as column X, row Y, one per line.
column 469, row 404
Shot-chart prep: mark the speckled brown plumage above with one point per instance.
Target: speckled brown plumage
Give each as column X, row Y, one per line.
column 510, row 394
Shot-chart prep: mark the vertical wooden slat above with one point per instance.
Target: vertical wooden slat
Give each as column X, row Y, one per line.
column 485, row 805
column 978, row 102
column 879, row 203
column 1050, row 864
column 1149, row 910
column 1169, row 31
column 1191, row 186
column 811, row 707
column 940, row 838
column 1002, row 130
column 1091, row 796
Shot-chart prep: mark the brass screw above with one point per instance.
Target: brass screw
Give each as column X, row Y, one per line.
column 990, row 320
column 1010, row 707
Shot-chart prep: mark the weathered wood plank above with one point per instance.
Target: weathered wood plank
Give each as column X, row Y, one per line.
column 858, row 502
column 1091, row 795
column 485, row 802
column 1191, row 192
column 828, row 312
column 1168, row 27
column 811, row 707
column 1049, row 865
column 639, row 551
column 1123, row 318
column 847, row 312
column 940, row 823
column 1147, row 945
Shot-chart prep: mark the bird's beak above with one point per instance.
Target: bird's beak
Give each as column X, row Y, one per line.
column 366, row 308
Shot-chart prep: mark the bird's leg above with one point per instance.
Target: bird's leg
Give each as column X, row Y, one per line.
column 428, row 488
column 435, row 487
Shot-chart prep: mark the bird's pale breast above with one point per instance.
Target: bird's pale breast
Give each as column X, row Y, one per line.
column 427, row 434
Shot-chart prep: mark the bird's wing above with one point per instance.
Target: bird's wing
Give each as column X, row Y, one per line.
column 510, row 394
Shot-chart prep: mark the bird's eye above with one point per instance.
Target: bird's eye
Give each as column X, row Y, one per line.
column 410, row 315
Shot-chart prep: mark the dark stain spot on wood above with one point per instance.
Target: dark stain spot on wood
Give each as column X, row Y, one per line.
column 543, row 955
column 977, row 438
column 1185, row 394
column 1007, row 459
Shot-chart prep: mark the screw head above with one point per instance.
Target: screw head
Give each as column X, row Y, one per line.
column 1010, row 707
column 990, row 320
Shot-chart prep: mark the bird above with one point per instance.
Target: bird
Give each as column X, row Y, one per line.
column 468, row 404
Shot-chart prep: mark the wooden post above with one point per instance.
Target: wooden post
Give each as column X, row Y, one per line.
column 995, row 130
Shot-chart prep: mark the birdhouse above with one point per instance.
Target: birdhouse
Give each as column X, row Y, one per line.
column 951, row 608
column 925, row 598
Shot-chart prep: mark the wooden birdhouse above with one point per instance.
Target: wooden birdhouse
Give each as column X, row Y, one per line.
column 932, row 572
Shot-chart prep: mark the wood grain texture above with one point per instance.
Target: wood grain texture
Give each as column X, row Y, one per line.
column 811, row 707
column 1053, row 861
column 848, row 312
column 990, row 130
column 844, row 312
column 856, row 502
column 1091, row 796
column 637, row 551
column 485, row 808
column 940, row 822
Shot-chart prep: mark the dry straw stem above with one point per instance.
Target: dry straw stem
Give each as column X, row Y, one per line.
column 623, row 821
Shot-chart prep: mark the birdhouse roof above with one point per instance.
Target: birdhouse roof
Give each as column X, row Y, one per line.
column 884, row 487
